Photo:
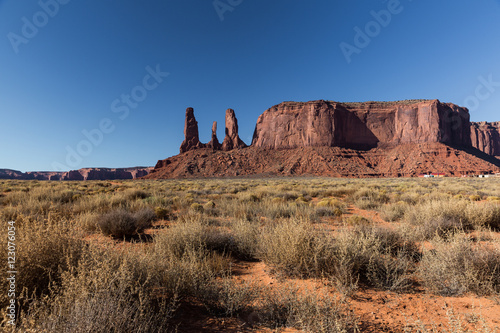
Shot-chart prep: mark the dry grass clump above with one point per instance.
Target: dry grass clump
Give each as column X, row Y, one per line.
column 121, row 223
column 43, row 254
column 293, row 247
column 457, row 265
column 356, row 220
column 372, row 256
column 394, row 211
column 228, row 298
column 104, row 291
column 369, row 198
column 442, row 217
column 305, row 310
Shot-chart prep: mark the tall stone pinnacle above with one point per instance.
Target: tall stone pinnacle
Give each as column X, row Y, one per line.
column 191, row 135
column 214, row 142
column 232, row 139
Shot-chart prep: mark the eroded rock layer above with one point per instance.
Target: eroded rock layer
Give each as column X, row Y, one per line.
column 486, row 137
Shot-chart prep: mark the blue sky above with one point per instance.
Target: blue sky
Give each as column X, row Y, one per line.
column 68, row 67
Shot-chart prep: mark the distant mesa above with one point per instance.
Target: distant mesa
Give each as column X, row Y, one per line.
column 80, row 174
column 327, row 138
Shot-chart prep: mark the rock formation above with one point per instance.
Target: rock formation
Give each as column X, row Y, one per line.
column 192, row 139
column 214, row 142
column 232, row 139
column 191, row 135
column 486, row 137
column 326, row 138
column 361, row 125
column 80, row 174
column 405, row 160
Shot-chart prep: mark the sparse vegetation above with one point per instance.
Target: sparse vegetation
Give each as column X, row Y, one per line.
column 143, row 250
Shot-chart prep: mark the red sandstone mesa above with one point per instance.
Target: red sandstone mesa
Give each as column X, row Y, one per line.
column 361, row 125
column 327, row 138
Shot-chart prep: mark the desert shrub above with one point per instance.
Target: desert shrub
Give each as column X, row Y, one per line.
column 44, row 253
column 209, row 208
column 180, row 238
column 227, row 297
column 390, row 272
column 356, row 220
column 246, row 238
column 302, row 200
column 209, row 205
column 366, row 198
column 442, row 218
column 162, row 213
column 410, row 198
column 338, row 191
column 134, row 194
column 373, row 256
column 393, row 211
column 445, row 217
column 121, row 223
column 293, row 247
column 305, row 310
column 328, row 211
column 199, row 236
column 248, row 197
column 88, row 221
column 144, row 217
column 104, row 292
column 279, row 211
column 485, row 214
column 475, row 197
column 457, row 266
column 290, row 196
column 196, row 207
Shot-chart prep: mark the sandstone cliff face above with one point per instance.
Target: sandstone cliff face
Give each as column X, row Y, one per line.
column 191, row 134
column 232, row 139
column 361, row 125
column 486, row 137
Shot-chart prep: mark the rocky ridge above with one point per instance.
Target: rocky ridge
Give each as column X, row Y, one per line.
column 80, row 174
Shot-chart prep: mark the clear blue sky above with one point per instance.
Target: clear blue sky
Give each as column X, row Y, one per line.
column 69, row 73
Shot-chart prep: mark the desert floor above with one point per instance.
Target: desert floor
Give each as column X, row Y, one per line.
column 263, row 255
